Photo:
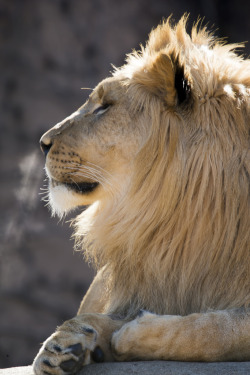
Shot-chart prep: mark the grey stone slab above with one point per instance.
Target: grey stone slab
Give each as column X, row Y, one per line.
column 24, row 370
column 152, row 368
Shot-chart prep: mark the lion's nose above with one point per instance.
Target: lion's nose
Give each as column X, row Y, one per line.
column 45, row 144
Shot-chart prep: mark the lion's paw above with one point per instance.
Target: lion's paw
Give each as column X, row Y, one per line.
column 68, row 350
column 127, row 341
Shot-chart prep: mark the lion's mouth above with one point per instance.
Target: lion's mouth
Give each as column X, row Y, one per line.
column 78, row 187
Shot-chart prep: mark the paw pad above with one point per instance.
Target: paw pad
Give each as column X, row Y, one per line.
column 97, row 355
column 69, row 366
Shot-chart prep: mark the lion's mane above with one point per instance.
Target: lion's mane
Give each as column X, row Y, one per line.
column 176, row 239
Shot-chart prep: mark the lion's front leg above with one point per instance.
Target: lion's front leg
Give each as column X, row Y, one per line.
column 212, row 336
column 78, row 342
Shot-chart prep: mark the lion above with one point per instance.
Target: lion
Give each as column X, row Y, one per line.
column 159, row 154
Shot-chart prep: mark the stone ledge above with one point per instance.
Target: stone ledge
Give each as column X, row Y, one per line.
column 152, row 368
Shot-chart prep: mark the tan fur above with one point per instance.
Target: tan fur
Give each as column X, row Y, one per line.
column 168, row 226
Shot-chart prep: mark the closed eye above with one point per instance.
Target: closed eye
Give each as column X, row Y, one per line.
column 100, row 110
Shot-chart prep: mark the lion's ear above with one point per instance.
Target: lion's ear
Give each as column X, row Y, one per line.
column 165, row 76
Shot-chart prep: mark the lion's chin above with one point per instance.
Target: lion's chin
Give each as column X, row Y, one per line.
column 65, row 197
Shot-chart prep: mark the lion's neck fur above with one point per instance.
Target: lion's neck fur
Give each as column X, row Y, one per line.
column 172, row 242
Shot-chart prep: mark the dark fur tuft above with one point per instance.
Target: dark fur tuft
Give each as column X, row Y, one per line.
column 182, row 85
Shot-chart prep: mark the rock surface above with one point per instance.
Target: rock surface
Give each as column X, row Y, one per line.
column 152, row 368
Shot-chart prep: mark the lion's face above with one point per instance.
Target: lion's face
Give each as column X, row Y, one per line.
column 85, row 155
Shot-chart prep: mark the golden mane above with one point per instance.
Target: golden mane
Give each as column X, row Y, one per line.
column 176, row 239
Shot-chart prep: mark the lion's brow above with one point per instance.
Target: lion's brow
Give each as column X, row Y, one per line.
column 100, row 92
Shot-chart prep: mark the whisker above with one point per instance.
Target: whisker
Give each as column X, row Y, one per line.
column 74, row 182
column 86, row 175
column 90, row 171
column 104, row 182
column 97, row 167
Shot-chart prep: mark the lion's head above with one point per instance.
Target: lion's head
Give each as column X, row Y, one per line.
column 161, row 149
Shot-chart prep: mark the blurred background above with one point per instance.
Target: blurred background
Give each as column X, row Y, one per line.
column 49, row 49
